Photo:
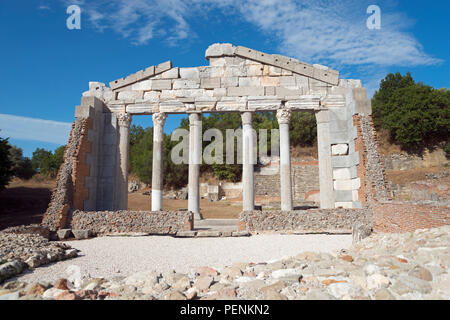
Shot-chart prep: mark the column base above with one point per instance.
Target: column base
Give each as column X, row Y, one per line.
column 198, row 216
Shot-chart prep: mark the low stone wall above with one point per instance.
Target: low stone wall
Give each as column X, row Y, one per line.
column 104, row 222
column 395, row 217
column 305, row 221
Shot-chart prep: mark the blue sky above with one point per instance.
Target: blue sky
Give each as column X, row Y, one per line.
column 45, row 67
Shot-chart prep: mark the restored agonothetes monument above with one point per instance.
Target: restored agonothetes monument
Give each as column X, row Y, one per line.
column 92, row 183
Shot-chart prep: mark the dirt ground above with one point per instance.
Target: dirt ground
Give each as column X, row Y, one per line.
column 407, row 176
column 209, row 210
column 24, row 202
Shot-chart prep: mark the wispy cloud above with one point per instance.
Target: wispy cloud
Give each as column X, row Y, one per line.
column 327, row 31
column 16, row 127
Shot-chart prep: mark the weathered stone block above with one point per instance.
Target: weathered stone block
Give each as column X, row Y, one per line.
column 283, row 92
column 160, row 68
column 161, row 84
column 171, row 74
column 172, row 106
column 130, row 95
column 339, row 149
column 353, row 184
column 260, row 105
column 186, row 84
column 210, row 83
column 81, row 234
column 189, row 73
column 245, row 91
column 249, row 81
column 270, row 81
column 63, row 233
column 229, row 82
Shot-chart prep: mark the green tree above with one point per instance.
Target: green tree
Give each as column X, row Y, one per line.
column 416, row 115
column 46, row 162
column 6, row 165
column 22, row 167
column 58, row 158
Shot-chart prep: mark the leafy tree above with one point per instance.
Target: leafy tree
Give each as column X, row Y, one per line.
column 6, row 170
column 58, row 157
column 22, row 167
column 46, row 162
column 415, row 114
column 302, row 129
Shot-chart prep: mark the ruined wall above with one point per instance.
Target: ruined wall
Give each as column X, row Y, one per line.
column 104, row 222
column 61, row 202
column 408, row 216
column 436, row 158
column 304, row 177
column 305, row 221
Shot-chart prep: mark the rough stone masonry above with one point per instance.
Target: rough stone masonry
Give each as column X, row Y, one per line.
column 238, row 79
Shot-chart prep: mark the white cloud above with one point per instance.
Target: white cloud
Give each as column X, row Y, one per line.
column 17, row 127
column 329, row 32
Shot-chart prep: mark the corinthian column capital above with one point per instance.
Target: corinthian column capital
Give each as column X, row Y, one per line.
column 124, row 119
column 284, row 116
column 159, row 118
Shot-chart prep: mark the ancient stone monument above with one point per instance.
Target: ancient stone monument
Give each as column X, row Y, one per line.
column 238, row 79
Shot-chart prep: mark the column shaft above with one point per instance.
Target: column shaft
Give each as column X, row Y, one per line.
column 157, row 168
column 248, row 192
column 195, row 154
column 124, row 121
column 325, row 167
column 284, row 117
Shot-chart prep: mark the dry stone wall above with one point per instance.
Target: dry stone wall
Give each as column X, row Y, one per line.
column 105, row 222
column 305, row 221
column 62, row 197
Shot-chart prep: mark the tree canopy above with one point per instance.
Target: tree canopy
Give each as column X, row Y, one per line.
column 416, row 115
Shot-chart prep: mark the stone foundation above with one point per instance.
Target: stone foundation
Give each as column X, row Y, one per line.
column 160, row 222
column 305, row 221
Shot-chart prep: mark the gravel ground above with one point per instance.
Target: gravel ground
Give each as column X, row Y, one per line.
column 122, row 256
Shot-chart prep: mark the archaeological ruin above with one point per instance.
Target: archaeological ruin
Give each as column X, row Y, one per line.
column 92, row 186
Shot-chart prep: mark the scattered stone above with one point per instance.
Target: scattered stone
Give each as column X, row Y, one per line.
column 64, row 233
column 36, row 289
column 81, row 234
column 61, row 284
column 203, row 283
column 421, row 273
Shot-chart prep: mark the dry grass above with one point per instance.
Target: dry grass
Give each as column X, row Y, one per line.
column 25, row 202
column 407, row 176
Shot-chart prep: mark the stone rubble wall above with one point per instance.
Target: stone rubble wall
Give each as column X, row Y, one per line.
column 56, row 216
column 400, row 217
column 105, row 222
column 305, row 221
column 377, row 188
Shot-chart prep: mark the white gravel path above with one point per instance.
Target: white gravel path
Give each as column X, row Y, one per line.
column 121, row 256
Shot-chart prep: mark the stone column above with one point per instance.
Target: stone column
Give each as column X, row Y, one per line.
column 284, row 116
column 157, row 171
column 325, row 167
column 124, row 121
column 195, row 155
column 248, row 191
